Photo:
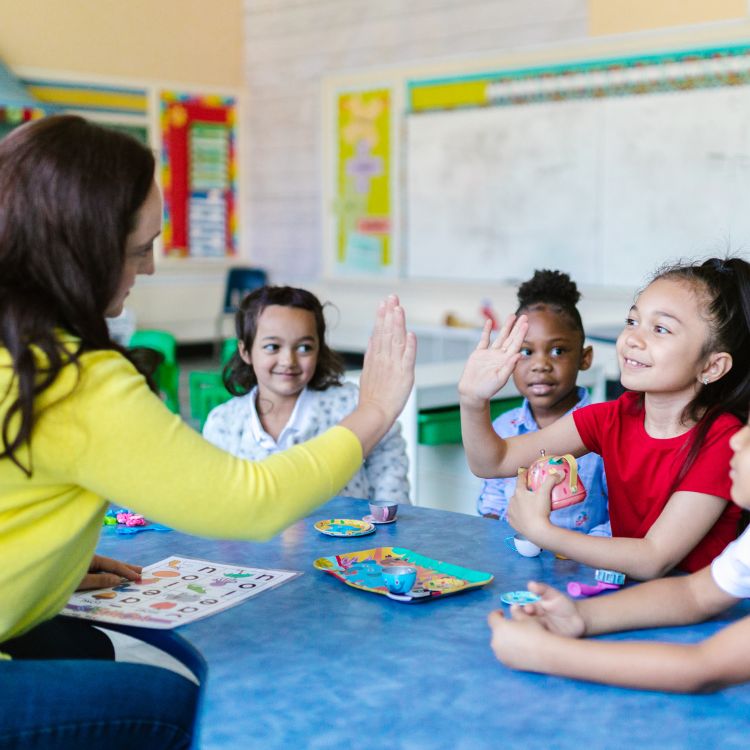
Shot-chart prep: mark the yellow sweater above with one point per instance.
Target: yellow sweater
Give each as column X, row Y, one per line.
column 106, row 435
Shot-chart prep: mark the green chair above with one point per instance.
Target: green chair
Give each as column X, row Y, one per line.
column 206, row 392
column 167, row 375
column 228, row 348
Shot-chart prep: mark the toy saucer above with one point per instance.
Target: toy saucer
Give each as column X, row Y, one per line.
column 415, row 595
column 370, row 519
column 519, row 597
column 344, row 527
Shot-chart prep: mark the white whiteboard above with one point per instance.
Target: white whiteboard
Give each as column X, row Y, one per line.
column 605, row 189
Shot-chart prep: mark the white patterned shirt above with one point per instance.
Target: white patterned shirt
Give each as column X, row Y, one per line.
column 235, row 427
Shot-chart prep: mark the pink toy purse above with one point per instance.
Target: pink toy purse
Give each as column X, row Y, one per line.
column 567, row 492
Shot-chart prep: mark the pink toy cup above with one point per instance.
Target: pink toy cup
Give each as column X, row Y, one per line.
column 383, row 511
column 567, row 492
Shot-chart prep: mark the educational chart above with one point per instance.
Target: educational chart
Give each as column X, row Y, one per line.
column 199, row 175
column 363, row 204
column 175, row 591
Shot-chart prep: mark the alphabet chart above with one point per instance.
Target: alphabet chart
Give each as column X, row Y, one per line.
column 175, row 591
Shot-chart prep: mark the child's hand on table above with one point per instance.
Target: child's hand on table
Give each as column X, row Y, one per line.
column 518, row 642
column 555, row 611
column 490, row 365
column 528, row 511
column 104, row 571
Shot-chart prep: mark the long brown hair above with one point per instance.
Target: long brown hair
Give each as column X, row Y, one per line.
column 69, row 196
column 722, row 286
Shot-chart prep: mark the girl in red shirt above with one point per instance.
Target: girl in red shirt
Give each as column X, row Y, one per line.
column 685, row 356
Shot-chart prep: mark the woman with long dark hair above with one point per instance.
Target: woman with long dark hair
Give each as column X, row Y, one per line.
column 79, row 213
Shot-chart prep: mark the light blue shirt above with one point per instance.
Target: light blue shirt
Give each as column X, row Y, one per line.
column 590, row 516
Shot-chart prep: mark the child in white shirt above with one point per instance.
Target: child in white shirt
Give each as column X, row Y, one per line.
column 288, row 389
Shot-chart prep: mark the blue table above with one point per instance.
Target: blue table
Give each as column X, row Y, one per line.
column 317, row 664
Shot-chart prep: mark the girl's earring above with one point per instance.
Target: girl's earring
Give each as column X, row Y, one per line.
column 705, row 381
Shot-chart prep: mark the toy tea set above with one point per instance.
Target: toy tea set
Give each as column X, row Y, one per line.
column 568, row 491
column 395, row 572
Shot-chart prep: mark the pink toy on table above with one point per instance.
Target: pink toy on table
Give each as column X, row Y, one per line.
column 567, row 492
column 130, row 519
column 605, row 581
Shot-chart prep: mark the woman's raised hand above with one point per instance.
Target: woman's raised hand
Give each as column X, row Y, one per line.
column 387, row 375
column 388, row 372
column 491, row 364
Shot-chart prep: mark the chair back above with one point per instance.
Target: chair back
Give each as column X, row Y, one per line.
column 240, row 281
column 207, row 390
column 167, row 375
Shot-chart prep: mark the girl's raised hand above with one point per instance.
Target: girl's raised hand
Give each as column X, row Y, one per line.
column 491, row 364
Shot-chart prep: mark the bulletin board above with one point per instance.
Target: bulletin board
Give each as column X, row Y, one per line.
column 362, row 206
column 199, row 175
column 603, row 169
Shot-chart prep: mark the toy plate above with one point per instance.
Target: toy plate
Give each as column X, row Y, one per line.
column 362, row 570
column 344, row 527
column 519, row 597
column 370, row 519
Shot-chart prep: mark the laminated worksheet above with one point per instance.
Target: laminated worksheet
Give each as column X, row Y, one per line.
column 175, row 591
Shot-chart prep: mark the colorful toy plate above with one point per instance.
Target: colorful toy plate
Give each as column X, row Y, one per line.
column 363, row 570
column 344, row 527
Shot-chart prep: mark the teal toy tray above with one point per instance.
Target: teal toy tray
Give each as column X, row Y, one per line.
column 363, row 570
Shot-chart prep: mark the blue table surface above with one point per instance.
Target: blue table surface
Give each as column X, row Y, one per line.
column 317, row 664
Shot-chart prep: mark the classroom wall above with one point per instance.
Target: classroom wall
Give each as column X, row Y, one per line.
column 173, row 43
column 294, row 48
column 189, row 41
column 283, row 51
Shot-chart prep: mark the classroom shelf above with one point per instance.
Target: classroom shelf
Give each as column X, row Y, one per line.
column 442, row 426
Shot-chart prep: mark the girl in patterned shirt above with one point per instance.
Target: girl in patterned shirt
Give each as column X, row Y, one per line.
column 287, row 387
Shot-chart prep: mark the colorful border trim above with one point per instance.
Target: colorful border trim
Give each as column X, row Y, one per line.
column 88, row 97
column 615, row 77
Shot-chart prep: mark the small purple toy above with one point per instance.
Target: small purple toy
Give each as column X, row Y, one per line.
column 605, row 581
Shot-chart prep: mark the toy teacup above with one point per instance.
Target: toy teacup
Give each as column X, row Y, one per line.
column 399, row 579
column 567, row 492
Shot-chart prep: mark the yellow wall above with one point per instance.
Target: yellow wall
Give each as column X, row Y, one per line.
column 192, row 41
column 620, row 16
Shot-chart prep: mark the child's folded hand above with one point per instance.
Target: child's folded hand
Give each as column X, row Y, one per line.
column 554, row 611
column 491, row 364
column 518, row 642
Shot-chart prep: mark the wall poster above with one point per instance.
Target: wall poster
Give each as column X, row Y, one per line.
column 199, row 175
column 363, row 194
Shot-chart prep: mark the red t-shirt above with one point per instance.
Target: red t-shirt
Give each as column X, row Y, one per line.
column 641, row 470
